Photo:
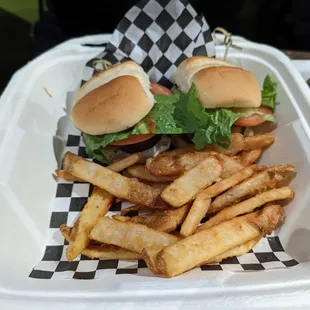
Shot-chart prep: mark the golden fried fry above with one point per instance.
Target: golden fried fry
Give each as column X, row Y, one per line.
column 184, row 188
column 121, row 218
column 230, row 166
column 98, row 205
column 140, row 172
column 163, row 165
column 236, row 145
column 258, row 142
column 126, row 162
column 196, row 213
column 131, row 236
column 166, row 221
column 112, row 182
column 149, row 255
column 247, row 206
column 201, row 247
column 191, row 160
column 134, row 208
column 250, row 157
column 236, row 251
column 260, row 182
column 190, row 148
column 102, row 251
column 221, row 186
column 65, row 175
column 168, row 165
column 116, row 167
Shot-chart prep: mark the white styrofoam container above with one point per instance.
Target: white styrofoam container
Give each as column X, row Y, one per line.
column 32, row 127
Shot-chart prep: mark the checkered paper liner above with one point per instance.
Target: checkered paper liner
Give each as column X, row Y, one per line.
column 158, row 35
column 70, row 200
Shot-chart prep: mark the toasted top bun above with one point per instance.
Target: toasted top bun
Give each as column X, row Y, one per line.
column 219, row 83
column 114, row 100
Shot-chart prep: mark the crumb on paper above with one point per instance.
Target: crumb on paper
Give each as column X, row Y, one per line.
column 47, row 92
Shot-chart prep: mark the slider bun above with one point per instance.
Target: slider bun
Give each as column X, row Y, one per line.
column 113, row 100
column 219, row 84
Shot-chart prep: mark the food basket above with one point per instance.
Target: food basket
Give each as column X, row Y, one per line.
column 34, row 129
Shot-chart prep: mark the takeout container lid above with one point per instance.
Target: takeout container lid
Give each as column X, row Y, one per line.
column 29, row 120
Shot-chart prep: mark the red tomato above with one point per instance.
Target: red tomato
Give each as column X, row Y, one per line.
column 157, row 89
column 253, row 120
column 132, row 140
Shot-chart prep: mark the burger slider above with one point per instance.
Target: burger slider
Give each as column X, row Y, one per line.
column 120, row 111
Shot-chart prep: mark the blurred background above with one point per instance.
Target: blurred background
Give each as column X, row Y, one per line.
column 30, row 27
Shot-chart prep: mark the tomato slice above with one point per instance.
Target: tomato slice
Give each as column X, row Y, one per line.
column 158, row 89
column 132, row 140
column 253, row 120
column 155, row 89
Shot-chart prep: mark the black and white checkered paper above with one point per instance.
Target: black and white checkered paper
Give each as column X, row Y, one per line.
column 158, row 35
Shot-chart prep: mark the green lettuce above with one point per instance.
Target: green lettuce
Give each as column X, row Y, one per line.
column 182, row 113
column 269, row 92
column 209, row 126
column 160, row 120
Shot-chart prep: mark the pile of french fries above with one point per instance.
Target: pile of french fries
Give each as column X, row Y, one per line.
column 198, row 207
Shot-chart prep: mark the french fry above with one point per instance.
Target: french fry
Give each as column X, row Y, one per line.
column 236, row 145
column 102, row 251
column 260, row 182
column 139, row 172
column 196, row 213
column 65, row 175
column 230, row 166
column 190, row 148
column 98, row 205
column 236, row 251
column 244, row 143
column 167, row 221
column 258, row 142
column 168, row 165
column 131, row 236
column 184, row 188
column 149, row 255
column 116, row 166
column 236, row 157
column 191, row 160
column 134, row 208
column 126, row 162
column 163, row 165
column 121, row 218
column 201, row 247
column 221, row 186
column 247, row 206
column 250, row 157
column 160, row 186
column 113, row 182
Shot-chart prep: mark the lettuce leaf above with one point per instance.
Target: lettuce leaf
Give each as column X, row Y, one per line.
column 210, row 126
column 182, row 113
column 160, row 120
column 162, row 116
column 269, row 92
